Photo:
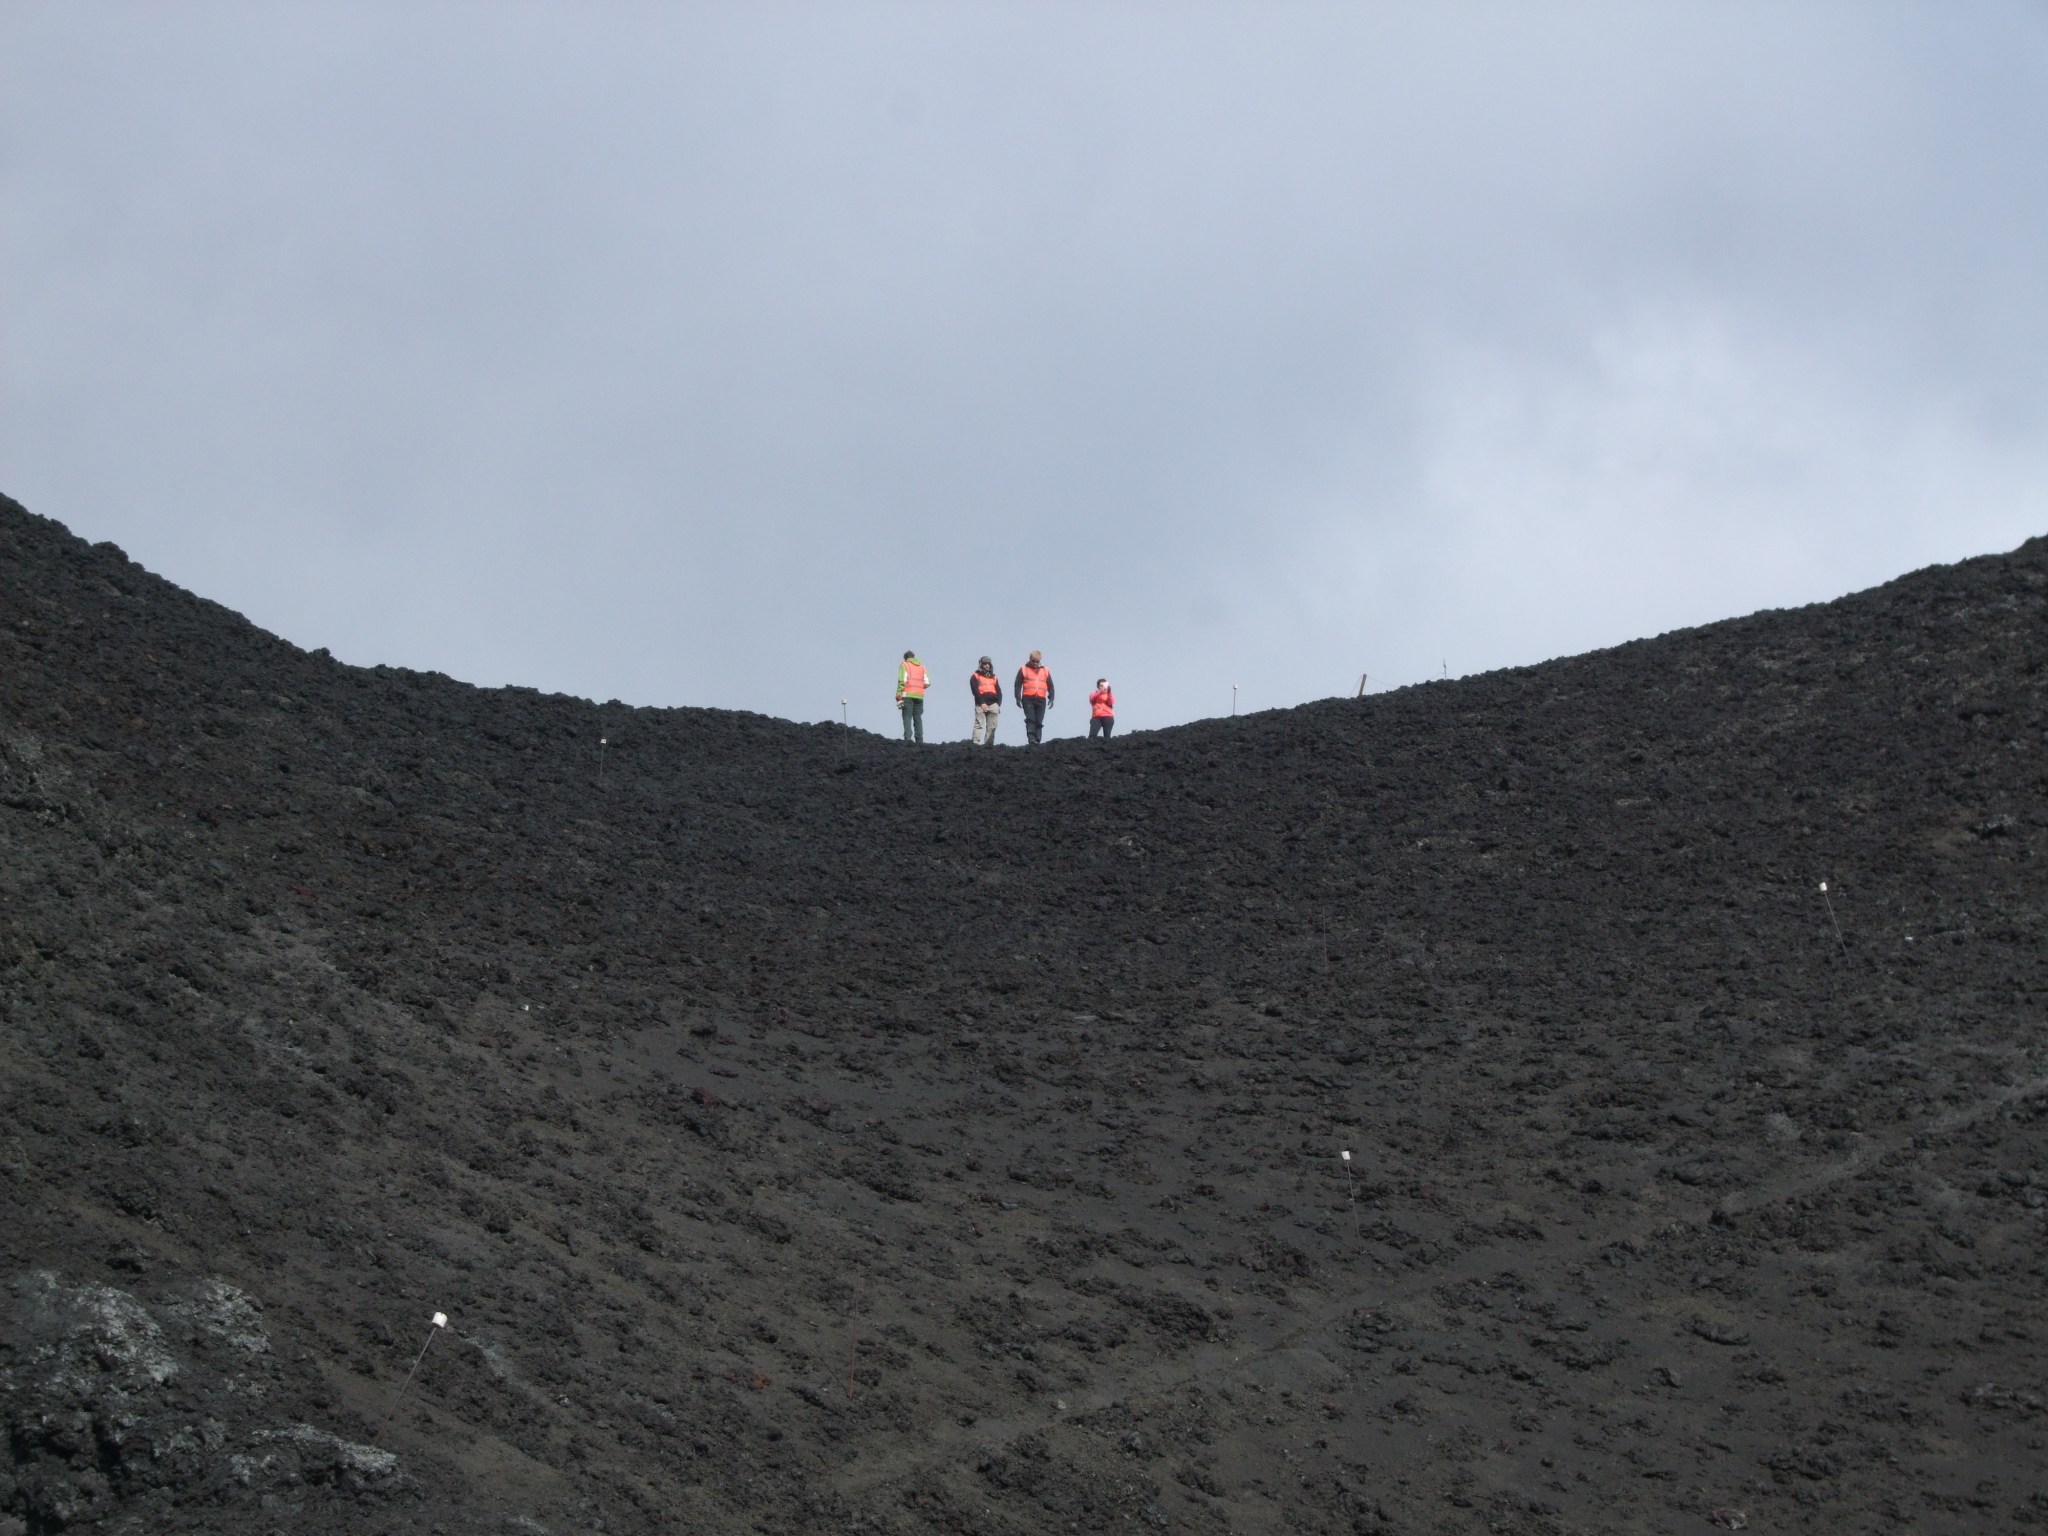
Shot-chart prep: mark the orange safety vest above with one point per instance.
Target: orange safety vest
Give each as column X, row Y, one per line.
column 912, row 686
column 1037, row 681
column 986, row 685
column 1104, row 701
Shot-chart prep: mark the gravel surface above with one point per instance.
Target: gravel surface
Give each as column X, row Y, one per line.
column 804, row 1132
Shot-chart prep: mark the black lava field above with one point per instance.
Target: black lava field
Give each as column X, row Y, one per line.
column 804, row 1132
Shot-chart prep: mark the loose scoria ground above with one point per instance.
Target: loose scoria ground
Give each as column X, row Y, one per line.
column 809, row 1133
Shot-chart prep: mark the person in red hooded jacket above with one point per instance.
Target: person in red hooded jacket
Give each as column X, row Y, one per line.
column 1101, row 710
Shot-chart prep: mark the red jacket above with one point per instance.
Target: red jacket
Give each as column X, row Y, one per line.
column 1102, row 702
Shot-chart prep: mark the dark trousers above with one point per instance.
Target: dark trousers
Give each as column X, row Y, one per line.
column 1101, row 725
column 1034, row 719
column 913, row 718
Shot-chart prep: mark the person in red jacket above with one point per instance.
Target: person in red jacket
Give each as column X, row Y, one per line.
column 1101, row 710
column 1033, row 692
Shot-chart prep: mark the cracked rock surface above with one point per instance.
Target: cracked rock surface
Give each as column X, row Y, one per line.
column 803, row 1132
column 124, row 1415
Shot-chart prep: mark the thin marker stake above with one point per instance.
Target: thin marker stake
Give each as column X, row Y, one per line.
column 1361, row 686
column 600, row 780
column 1233, row 698
column 440, row 1322
column 1351, row 1195
column 1824, row 896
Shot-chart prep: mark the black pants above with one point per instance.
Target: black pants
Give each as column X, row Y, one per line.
column 1101, row 725
column 1034, row 719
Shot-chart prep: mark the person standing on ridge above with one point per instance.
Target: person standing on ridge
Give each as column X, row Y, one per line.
column 988, row 702
column 1101, row 710
column 910, row 684
column 1033, row 692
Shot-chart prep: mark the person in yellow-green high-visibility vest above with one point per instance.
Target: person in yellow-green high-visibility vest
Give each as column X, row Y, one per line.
column 910, row 684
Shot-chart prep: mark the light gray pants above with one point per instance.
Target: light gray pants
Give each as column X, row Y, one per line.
column 985, row 721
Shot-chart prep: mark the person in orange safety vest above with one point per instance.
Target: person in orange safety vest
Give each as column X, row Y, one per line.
column 910, row 685
column 987, row 689
column 1101, row 710
column 1033, row 692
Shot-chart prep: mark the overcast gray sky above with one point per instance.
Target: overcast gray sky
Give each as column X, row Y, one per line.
column 715, row 354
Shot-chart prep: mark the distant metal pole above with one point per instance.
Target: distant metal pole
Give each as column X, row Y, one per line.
column 842, row 714
column 440, row 1322
column 1361, row 687
column 1824, row 896
column 1233, row 698
column 1351, row 1196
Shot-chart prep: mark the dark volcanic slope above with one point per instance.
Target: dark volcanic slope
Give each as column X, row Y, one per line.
column 805, row 1132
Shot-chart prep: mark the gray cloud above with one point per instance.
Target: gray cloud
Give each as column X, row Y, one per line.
column 714, row 356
